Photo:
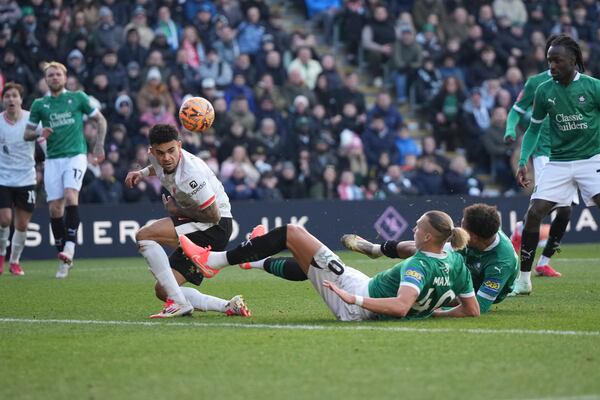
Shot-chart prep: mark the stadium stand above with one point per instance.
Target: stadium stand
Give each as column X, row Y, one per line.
column 325, row 99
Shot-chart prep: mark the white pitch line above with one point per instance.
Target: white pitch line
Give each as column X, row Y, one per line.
column 582, row 397
column 303, row 327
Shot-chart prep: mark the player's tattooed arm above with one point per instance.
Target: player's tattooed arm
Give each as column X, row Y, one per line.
column 210, row 214
column 99, row 146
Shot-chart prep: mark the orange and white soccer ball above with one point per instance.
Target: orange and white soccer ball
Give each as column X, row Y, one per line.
column 196, row 114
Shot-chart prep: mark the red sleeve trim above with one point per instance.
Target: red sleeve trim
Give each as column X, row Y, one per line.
column 208, row 202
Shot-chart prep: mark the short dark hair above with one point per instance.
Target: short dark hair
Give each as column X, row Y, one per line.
column 162, row 133
column 482, row 220
column 13, row 85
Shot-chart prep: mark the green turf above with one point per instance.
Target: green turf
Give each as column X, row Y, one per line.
column 202, row 357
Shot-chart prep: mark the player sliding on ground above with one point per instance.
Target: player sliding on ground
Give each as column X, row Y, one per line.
column 540, row 156
column 415, row 288
column 571, row 101
column 199, row 209
column 489, row 254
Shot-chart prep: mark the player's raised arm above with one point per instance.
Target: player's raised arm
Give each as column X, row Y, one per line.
column 99, row 145
column 200, row 213
column 134, row 177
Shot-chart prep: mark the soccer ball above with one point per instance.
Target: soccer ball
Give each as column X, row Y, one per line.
column 196, row 114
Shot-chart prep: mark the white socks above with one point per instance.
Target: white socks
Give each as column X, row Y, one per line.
column 17, row 246
column 158, row 262
column 525, row 276
column 260, row 264
column 376, row 250
column 542, row 261
column 217, row 259
column 4, row 232
column 69, row 249
column 203, row 302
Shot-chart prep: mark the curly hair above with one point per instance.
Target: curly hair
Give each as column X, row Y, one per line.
column 482, row 220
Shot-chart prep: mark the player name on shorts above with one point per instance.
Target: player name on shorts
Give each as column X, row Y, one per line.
column 61, row 119
column 566, row 122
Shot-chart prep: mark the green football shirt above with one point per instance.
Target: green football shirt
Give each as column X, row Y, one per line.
column 524, row 104
column 64, row 114
column 438, row 279
column 574, row 115
column 493, row 270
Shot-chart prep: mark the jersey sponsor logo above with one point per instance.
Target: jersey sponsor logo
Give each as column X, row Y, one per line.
column 441, row 281
column 413, row 276
column 193, row 184
column 569, row 122
column 61, row 119
column 197, row 187
column 491, row 287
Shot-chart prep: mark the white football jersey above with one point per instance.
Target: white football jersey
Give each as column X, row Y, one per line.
column 17, row 162
column 194, row 184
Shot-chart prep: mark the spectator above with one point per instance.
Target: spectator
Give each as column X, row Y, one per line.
column 205, row 24
column 459, row 180
column 485, row 68
column 226, row 45
column 156, row 60
column 176, row 90
column 565, row 25
column 427, row 83
column 373, row 191
column 295, row 87
column 250, row 32
column 325, row 188
column 430, row 42
column 350, row 93
column 289, row 186
column 513, row 10
column 383, row 106
column 139, row 21
column 108, row 35
column 513, row 46
column 125, row 113
column 240, row 111
column 239, row 159
column 106, row 189
column 268, row 138
column 352, row 156
column 154, row 88
column 538, row 21
column 581, row 24
column 325, row 98
column 352, row 20
column 132, row 50
column 239, row 89
column 347, row 189
column 475, row 121
column 243, row 65
column 377, row 39
column 493, row 142
column 323, row 13
column 231, row 10
column 169, row 28
column 407, row 58
column 308, row 68
column 157, row 114
column 221, row 125
column 267, row 187
column 377, row 139
column 457, row 25
column 115, row 72
column 329, row 70
column 405, row 145
column 266, row 89
column 237, row 136
column 134, row 77
column 395, row 184
column 513, row 82
column 424, row 8
column 446, row 109
column 11, row 13
column 429, row 177
column 238, row 187
column 14, row 71
column 216, row 69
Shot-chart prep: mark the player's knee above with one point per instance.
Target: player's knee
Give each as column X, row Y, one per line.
column 143, row 234
column 5, row 220
column 564, row 213
column 295, row 231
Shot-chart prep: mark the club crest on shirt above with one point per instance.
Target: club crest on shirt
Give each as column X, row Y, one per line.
column 581, row 99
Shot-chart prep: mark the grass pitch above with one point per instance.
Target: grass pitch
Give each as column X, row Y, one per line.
column 88, row 337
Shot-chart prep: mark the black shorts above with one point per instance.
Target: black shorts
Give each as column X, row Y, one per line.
column 20, row 197
column 216, row 237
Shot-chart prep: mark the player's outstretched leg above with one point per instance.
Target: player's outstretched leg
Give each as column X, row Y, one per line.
column 359, row 245
column 557, row 231
column 538, row 209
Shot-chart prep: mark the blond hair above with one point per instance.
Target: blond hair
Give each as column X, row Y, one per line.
column 54, row 64
column 443, row 225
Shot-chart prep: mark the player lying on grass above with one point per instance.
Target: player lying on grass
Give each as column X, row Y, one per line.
column 415, row 288
column 571, row 102
column 199, row 209
column 489, row 254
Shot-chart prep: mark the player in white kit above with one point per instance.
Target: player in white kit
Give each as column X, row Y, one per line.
column 199, row 209
column 17, row 176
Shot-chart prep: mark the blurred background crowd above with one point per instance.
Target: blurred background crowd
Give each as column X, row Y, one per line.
column 323, row 99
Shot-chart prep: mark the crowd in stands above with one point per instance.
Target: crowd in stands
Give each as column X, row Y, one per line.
column 290, row 124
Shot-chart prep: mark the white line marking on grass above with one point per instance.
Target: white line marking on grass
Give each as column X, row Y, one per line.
column 304, row 327
column 582, row 397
